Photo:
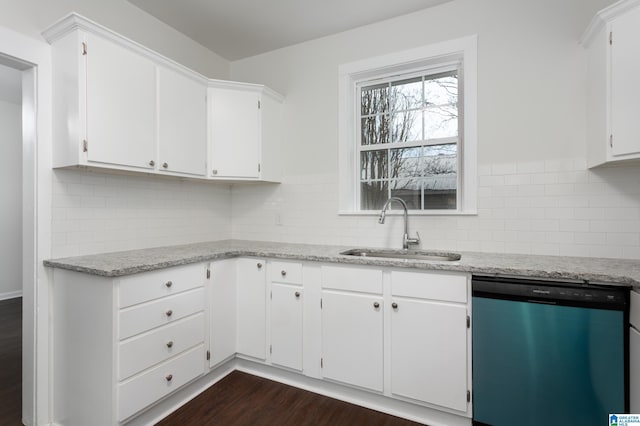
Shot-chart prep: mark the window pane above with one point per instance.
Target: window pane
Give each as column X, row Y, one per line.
column 441, row 90
column 441, row 122
column 410, row 190
column 374, row 130
column 406, row 126
column 373, row 165
column 406, row 94
column 373, row 195
column 374, row 99
column 441, row 176
column 405, row 162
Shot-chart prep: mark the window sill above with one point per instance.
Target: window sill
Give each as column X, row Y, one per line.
column 411, row 213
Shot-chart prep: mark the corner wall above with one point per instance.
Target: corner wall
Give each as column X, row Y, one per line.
column 535, row 194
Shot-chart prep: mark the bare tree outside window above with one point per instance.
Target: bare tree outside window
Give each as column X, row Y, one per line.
column 409, row 142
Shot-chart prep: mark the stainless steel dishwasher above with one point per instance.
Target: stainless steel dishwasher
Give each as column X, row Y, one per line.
column 548, row 353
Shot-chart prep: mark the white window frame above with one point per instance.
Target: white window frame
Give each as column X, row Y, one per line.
column 429, row 57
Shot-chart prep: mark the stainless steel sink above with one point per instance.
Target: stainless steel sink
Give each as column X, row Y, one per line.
column 404, row 254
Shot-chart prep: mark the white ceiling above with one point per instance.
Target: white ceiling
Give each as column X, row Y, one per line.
column 237, row 29
column 10, row 85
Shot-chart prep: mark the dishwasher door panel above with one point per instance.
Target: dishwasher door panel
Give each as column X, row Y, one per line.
column 536, row 363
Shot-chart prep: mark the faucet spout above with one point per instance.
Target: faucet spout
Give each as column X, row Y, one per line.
column 405, row 237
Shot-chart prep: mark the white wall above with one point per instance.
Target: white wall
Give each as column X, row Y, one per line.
column 11, row 196
column 30, row 17
column 96, row 213
column 535, row 194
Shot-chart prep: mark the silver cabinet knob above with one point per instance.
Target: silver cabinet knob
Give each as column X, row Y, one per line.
column 152, row 163
column 297, row 294
column 394, row 305
column 283, row 273
column 214, row 172
column 259, row 265
column 169, row 313
column 165, row 165
column 169, row 377
column 168, row 284
column 376, row 305
column 170, row 344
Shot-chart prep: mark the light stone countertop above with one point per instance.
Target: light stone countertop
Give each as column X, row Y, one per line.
column 116, row 264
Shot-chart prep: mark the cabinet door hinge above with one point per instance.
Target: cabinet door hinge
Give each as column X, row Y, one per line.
column 258, row 167
column 320, row 303
column 85, row 146
column 84, row 48
column 271, row 295
column 468, row 321
column 208, row 273
column 611, row 141
column 258, row 104
column 321, row 363
column 208, row 355
column 610, row 37
column 468, row 396
column 270, row 349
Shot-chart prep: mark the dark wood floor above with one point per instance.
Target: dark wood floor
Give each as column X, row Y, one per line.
column 242, row 399
column 11, row 362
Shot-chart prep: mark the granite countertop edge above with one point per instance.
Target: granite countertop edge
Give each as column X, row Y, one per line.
column 116, row 264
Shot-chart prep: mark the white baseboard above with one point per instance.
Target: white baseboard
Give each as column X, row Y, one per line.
column 362, row 398
column 10, row 295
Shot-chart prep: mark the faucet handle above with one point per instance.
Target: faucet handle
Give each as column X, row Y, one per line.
column 418, row 237
column 413, row 240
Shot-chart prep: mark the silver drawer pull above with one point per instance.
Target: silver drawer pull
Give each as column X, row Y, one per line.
column 259, row 265
column 376, row 305
column 283, row 273
column 169, row 313
column 297, row 294
column 170, row 344
column 169, row 377
column 168, row 284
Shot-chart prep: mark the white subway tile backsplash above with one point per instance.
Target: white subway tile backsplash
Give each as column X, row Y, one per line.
column 553, row 207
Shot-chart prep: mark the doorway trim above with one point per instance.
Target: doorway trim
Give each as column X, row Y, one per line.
column 33, row 58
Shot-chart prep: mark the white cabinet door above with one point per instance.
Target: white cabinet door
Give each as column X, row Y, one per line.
column 286, row 325
column 625, row 85
column 120, row 105
column 182, row 123
column 429, row 352
column 251, row 315
column 234, row 132
column 222, row 339
column 634, row 369
column 352, row 327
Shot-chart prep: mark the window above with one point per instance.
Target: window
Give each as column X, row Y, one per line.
column 408, row 130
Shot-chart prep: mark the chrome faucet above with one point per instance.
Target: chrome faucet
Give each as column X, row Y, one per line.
column 405, row 238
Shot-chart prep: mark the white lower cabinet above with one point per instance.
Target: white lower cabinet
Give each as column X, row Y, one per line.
column 352, row 345
column 121, row 344
column 222, row 311
column 286, row 325
column 251, row 308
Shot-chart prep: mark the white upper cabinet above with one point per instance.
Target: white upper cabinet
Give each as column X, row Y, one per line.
column 182, row 123
column 613, row 94
column 118, row 105
column 244, row 135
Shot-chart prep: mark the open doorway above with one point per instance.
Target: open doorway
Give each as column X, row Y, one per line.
column 11, row 245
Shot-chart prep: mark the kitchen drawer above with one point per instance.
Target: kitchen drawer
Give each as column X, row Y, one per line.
column 146, row 350
column 139, row 318
column 140, row 391
column 352, row 279
column 286, row 272
column 430, row 285
column 152, row 285
column 634, row 313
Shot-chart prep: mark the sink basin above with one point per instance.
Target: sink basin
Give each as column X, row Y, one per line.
column 404, row 254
